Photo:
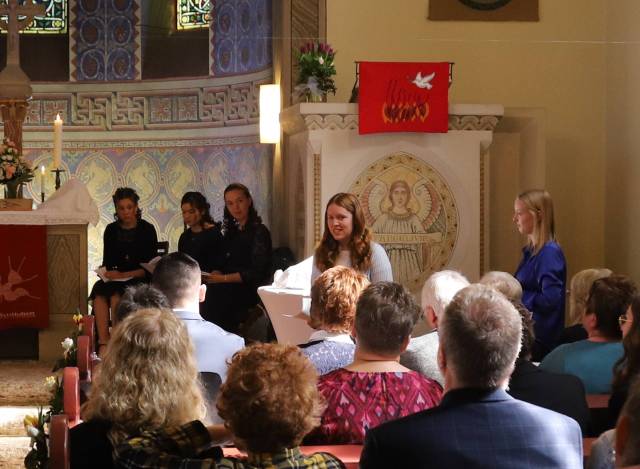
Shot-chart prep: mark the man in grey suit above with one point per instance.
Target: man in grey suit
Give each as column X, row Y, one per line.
column 437, row 293
column 177, row 275
column 477, row 423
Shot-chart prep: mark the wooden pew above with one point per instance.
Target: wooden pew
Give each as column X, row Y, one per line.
column 599, row 410
column 71, row 395
column 59, row 457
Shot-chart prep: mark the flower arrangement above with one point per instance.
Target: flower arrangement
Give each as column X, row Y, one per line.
column 70, row 346
column 315, row 60
column 14, row 168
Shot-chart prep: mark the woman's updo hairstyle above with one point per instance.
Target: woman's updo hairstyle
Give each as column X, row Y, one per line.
column 122, row 193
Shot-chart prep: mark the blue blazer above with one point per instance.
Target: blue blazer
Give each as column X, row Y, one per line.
column 475, row 428
column 543, row 277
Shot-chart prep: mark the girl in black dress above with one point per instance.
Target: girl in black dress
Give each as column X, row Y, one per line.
column 202, row 238
column 245, row 264
column 128, row 241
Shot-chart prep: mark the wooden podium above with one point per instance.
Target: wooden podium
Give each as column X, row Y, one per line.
column 67, row 277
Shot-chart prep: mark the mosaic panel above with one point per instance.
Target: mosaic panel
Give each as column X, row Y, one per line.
column 240, row 36
column 105, row 40
column 413, row 214
column 161, row 175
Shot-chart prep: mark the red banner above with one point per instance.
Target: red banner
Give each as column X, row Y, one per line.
column 404, row 97
column 24, row 290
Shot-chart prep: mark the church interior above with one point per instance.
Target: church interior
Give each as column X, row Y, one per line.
column 167, row 103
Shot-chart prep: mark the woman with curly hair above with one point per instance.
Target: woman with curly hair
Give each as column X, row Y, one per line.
column 628, row 367
column 147, row 380
column 334, row 295
column 348, row 241
column 269, row 402
column 128, row 242
column 245, row 261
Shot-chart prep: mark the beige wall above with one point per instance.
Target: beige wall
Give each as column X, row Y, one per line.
column 623, row 138
column 557, row 64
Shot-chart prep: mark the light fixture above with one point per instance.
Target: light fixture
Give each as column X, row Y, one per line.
column 269, row 113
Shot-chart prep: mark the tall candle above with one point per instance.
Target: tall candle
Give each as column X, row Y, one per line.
column 57, row 142
column 42, row 179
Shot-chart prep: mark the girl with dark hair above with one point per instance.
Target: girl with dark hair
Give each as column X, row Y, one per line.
column 245, row 262
column 347, row 241
column 128, row 242
column 628, row 367
column 202, row 238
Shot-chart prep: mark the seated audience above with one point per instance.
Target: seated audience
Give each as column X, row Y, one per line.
column 628, row 430
column 437, row 292
column 628, row 367
column 147, row 380
column 140, row 297
column 559, row 392
column 333, row 308
column 622, row 444
column 592, row 359
column 578, row 294
column 269, row 402
column 177, row 275
column 562, row 393
column 375, row 388
column 477, row 424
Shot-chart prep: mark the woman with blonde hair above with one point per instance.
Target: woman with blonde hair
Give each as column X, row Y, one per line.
column 147, row 380
column 578, row 295
column 348, row 241
column 269, row 402
column 543, row 269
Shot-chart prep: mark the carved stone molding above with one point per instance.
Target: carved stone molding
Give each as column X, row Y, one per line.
column 339, row 116
column 199, row 103
column 473, row 122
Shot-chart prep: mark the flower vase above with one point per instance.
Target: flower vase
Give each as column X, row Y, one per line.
column 13, row 190
column 317, row 98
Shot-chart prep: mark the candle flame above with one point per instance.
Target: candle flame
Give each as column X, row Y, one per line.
column 58, row 117
column 42, row 170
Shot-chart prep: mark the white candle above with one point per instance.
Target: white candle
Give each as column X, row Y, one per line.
column 42, row 179
column 57, row 142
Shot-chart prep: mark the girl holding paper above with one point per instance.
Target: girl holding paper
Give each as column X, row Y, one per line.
column 128, row 242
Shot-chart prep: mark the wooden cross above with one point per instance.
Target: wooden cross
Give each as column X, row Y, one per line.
column 14, row 25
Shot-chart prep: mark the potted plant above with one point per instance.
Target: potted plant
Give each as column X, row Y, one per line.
column 315, row 80
column 15, row 171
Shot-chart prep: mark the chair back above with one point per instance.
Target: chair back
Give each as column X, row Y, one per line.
column 211, row 383
column 162, row 248
column 71, row 394
column 59, row 457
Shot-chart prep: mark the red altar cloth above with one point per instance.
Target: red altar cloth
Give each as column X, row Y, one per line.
column 24, row 289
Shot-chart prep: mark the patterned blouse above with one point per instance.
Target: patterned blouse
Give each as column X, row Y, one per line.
column 357, row 401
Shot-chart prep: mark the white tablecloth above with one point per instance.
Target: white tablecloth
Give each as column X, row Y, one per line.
column 283, row 305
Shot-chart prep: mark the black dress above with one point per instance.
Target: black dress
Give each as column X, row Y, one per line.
column 124, row 250
column 204, row 246
column 247, row 252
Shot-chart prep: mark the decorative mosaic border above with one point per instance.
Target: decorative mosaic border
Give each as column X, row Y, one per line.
column 213, row 103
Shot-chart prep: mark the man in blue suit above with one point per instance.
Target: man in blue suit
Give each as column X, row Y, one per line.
column 477, row 425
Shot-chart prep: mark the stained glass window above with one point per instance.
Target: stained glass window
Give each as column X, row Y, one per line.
column 53, row 22
column 193, row 13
